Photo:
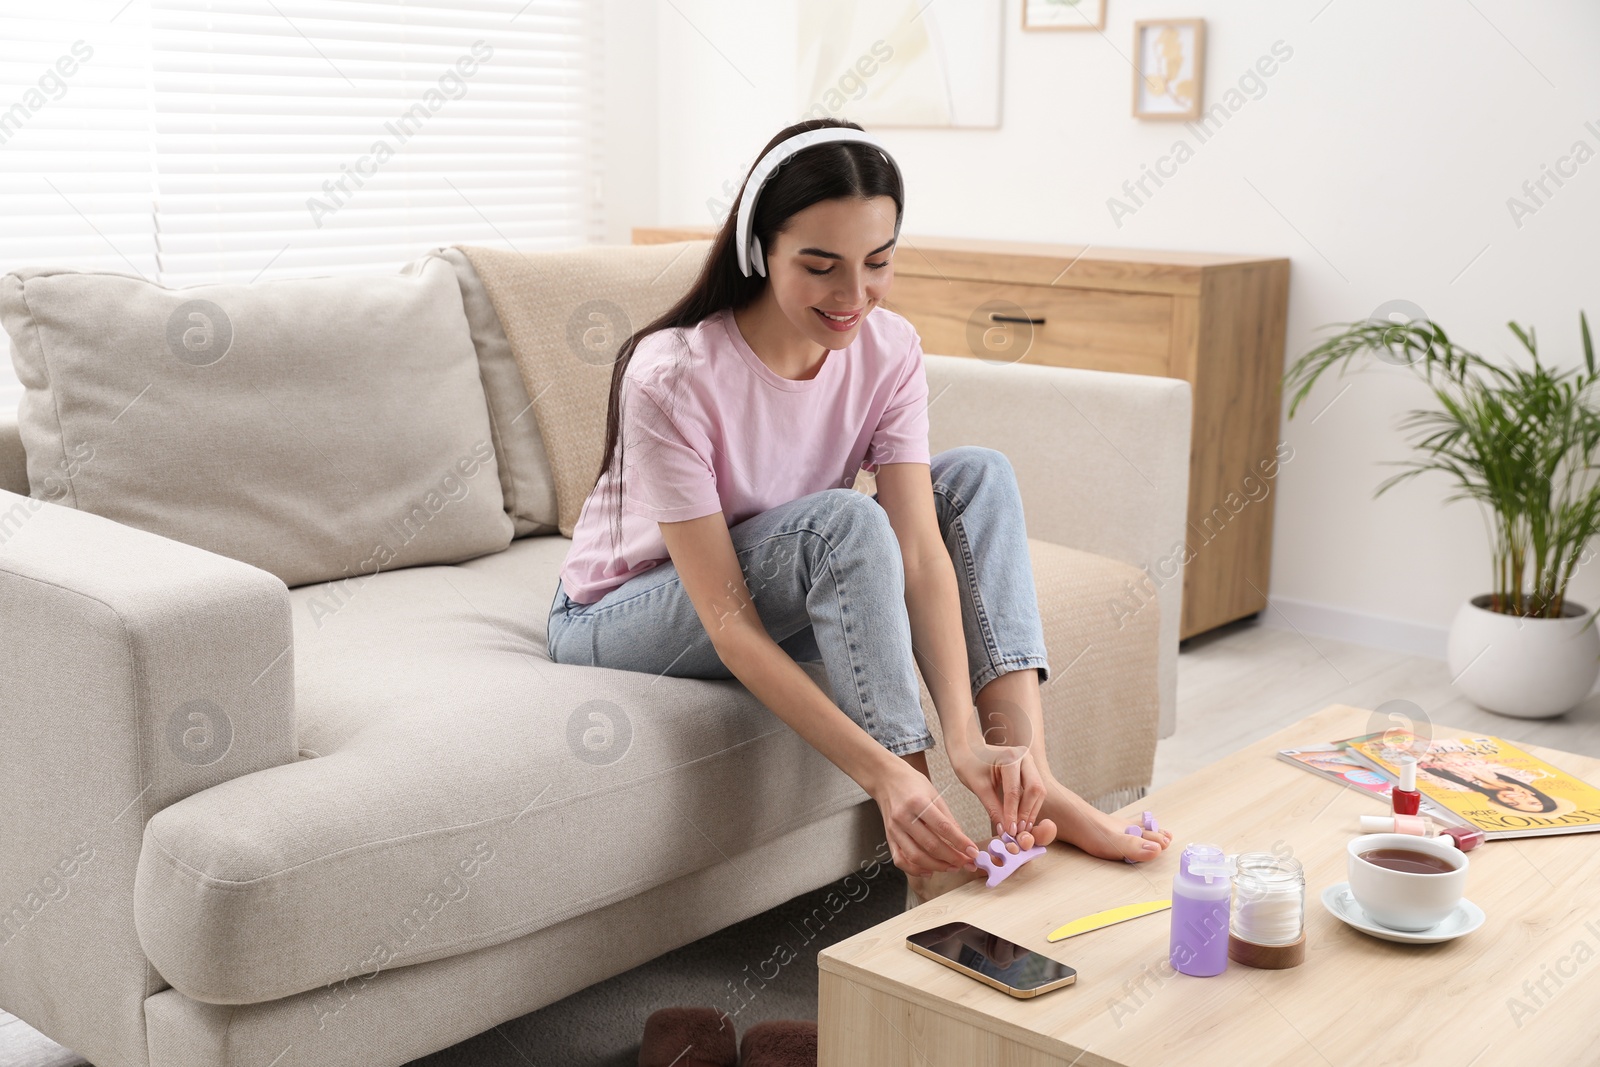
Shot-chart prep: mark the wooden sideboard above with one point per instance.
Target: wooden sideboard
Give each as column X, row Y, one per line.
column 1217, row 321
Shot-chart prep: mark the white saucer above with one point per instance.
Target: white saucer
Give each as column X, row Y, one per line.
column 1467, row 917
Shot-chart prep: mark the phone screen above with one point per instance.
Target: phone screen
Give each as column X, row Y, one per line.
column 992, row 956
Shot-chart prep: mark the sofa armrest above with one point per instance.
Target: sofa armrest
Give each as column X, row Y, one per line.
column 13, row 460
column 1102, row 461
column 134, row 671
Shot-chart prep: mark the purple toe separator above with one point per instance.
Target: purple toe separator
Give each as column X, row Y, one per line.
column 1148, row 822
column 998, row 863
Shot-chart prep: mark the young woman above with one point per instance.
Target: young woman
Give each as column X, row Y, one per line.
column 722, row 538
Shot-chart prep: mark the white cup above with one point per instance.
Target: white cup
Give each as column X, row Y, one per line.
column 1402, row 900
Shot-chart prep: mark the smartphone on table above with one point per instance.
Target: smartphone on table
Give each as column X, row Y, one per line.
column 991, row 959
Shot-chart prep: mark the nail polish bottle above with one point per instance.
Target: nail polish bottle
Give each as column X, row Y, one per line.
column 1466, row 838
column 1404, row 798
column 1398, row 824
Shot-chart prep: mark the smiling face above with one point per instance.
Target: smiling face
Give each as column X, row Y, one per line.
column 1518, row 798
column 836, row 256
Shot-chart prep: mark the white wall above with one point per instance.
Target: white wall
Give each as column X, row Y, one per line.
column 1379, row 159
column 632, row 124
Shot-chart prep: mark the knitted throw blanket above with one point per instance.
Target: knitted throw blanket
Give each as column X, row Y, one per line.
column 566, row 314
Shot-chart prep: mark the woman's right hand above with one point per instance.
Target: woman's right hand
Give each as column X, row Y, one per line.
column 924, row 838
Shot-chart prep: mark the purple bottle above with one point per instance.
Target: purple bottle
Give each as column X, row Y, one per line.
column 1201, row 892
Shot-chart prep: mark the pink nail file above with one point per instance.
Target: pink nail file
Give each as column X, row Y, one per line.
column 999, row 863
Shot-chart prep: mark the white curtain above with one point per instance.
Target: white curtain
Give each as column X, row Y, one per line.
column 194, row 141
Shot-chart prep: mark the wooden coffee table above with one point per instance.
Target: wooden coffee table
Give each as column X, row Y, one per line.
column 1523, row 988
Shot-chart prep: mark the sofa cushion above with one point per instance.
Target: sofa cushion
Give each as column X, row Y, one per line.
column 313, row 427
column 566, row 314
column 458, row 789
column 526, row 483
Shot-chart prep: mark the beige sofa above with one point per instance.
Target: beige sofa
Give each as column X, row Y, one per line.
column 263, row 803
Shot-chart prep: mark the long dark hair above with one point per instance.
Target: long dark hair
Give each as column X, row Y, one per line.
column 822, row 172
column 1491, row 792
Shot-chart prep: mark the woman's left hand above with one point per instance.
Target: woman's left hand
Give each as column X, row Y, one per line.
column 1005, row 779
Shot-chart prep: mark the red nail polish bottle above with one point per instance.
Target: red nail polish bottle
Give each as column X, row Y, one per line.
column 1467, row 837
column 1404, row 798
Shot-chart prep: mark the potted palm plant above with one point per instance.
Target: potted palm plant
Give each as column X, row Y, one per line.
column 1521, row 440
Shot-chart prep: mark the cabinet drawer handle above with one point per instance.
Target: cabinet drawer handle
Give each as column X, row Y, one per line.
column 1014, row 318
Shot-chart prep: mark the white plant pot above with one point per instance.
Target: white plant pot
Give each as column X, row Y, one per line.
column 1525, row 668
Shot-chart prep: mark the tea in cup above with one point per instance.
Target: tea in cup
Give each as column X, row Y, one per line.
column 1406, row 882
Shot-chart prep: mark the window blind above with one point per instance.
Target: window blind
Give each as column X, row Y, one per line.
column 327, row 136
column 75, row 179
column 237, row 140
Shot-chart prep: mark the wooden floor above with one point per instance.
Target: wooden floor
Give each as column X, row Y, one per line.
column 1244, row 681
column 1235, row 685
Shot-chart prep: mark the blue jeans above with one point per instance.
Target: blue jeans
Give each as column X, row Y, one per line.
column 826, row 577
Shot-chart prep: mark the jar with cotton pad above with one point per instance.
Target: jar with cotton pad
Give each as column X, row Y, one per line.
column 1269, row 905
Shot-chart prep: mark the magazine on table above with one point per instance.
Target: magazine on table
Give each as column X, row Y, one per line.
column 1487, row 782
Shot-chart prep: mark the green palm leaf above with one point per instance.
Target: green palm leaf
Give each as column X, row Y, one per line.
column 1520, row 441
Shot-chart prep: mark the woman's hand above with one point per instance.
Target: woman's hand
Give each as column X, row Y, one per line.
column 924, row 837
column 1005, row 779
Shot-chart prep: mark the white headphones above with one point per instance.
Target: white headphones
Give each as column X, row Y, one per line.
column 748, row 251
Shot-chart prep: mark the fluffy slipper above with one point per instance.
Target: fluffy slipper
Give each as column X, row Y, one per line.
column 781, row 1043
column 689, row 1037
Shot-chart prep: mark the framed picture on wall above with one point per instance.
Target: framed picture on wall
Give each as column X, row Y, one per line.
column 1169, row 68
column 894, row 63
column 1063, row 14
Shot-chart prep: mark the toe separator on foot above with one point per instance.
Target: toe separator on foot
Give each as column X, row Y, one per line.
column 997, row 862
column 1136, row 831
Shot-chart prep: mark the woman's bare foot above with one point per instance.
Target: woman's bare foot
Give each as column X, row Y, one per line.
column 1079, row 823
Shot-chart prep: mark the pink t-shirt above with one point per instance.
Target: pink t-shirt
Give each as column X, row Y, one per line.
column 708, row 427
